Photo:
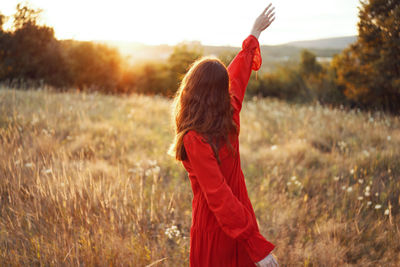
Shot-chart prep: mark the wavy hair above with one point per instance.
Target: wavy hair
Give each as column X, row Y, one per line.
column 202, row 103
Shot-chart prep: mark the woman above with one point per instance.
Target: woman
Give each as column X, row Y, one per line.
column 224, row 229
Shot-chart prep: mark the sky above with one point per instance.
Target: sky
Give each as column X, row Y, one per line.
column 212, row 22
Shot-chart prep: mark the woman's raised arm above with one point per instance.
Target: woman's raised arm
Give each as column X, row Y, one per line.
column 248, row 59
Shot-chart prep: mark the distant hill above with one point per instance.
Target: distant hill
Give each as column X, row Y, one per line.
column 327, row 43
column 324, row 49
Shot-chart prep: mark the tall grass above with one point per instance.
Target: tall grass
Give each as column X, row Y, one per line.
column 85, row 180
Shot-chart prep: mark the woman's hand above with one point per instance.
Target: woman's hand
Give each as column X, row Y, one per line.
column 263, row 21
column 268, row 261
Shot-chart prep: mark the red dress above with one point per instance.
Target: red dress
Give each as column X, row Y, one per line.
column 224, row 230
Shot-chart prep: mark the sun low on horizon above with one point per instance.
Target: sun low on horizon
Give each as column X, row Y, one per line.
column 210, row 22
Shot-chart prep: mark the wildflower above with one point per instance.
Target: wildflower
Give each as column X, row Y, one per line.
column 352, row 171
column 288, row 183
column 371, row 119
column 349, row 189
column 378, row 206
column 172, row 231
column 361, row 181
column 47, row 171
column 366, row 153
column 389, row 138
column 369, row 203
column 386, row 212
column 367, row 188
column 367, row 194
column 360, row 198
column 376, row 194
column 336, row 178
column 274, row 147
column 344, row 187
column 152, row 162
column 342, row 145
column 34, row 120
column 293, row 178
column 148, row 172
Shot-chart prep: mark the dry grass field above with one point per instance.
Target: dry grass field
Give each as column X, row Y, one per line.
column 85, row 180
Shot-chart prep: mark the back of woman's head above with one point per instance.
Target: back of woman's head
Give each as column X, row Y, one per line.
column 202, row 103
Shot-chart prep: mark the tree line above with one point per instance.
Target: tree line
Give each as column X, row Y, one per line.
column 364, row 75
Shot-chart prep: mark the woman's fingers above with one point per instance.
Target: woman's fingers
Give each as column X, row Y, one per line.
column 269, row 12
column 265, row 10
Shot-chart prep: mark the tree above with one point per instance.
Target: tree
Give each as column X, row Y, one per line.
column 93, row 66
column 25, row 15
column 2, row 20
column 308, row 64
column 179, row 62
column 370, row 68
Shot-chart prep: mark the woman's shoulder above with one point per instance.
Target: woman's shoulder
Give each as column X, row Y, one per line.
column 192, row 136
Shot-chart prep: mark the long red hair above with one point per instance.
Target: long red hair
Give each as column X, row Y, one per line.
column 202, row 103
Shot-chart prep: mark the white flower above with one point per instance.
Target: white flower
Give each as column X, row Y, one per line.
column 342, row 145
column 369, row 203
column 344, row 187
column 172, row 231
column 367, row 194
column 378, row 206
column 360, row 198
column 361, row 181
column 367, row 188
column 349, row 189
column 152, row 162
column 376, row 194
column 389, row 138
column 274, row 147
column 336, row 178
column 366, row 153
column 293, row 178
column 47, row 171
column 352, row 171
column 387, row 212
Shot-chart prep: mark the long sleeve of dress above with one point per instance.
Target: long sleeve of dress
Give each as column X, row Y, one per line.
column 248, row 59
column 233, row 217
